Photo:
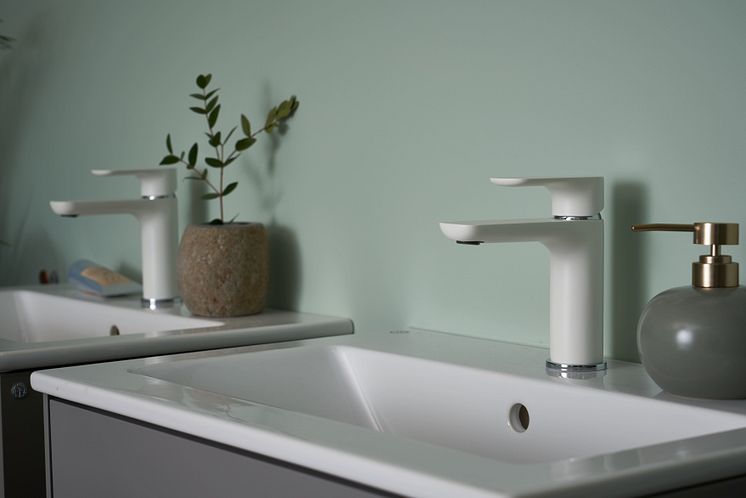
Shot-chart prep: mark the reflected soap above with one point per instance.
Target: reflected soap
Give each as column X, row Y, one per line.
column 92, row 277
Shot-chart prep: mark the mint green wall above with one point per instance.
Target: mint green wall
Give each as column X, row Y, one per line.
column 407, row 108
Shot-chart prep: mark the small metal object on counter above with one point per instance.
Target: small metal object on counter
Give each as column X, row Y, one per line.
column 48, row 277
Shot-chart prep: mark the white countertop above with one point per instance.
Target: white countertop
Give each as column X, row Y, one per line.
column 404, row 465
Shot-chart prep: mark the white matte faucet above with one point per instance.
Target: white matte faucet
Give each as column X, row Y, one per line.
column 574, row 237
column 156, row 211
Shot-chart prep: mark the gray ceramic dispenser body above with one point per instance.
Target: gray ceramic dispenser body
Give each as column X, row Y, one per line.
column 692, row 339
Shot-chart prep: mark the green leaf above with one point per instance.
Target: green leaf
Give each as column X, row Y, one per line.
column 211, row 93
column 212, row 118
column 193, row 155
column 203, row 80
column 245, row 125
column 228, row 136
column 283, row 112
column 198, row 110
column 230, row 188
column 229, row 160
column 271, row 118
column 197, row 96
column 209, row 196
column 211, row 104
column 168, row 144
column 245, row 143
column 215, row 139
column 170, row 159
column 215, row 163
column 216, row 221
column 287, row 108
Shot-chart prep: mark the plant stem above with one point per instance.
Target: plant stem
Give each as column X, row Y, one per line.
column 261, row 130
column 219, row 154
column 209, row 183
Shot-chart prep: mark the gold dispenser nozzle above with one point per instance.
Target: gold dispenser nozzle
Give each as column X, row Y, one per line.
column 714, row 269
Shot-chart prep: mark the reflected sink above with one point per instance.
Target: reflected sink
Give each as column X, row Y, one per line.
column 491, row 414
column 30, row 316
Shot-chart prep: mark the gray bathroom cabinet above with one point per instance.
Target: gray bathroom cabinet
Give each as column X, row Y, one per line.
column 22, row 437
column 94, row 453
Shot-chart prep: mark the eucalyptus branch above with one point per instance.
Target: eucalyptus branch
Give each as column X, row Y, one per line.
column 201, row 175
column 210, row 108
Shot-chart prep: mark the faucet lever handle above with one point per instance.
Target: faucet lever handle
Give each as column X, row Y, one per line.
column 571, row 196
column 153, row 182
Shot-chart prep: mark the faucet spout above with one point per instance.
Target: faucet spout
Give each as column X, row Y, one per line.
column 575, row 279
column 157, row 215
column 490, row 231
column 84, row 208
column 574, row 238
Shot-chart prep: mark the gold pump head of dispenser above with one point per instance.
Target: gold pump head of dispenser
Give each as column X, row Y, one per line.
column 714, row 269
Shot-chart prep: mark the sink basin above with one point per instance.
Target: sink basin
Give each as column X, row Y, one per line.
column 490, row 414
column 30, row 316
column 424, row 414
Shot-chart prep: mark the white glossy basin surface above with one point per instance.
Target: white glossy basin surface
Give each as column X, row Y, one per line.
column 491, row 414
column 426, row 414
column 29, row 316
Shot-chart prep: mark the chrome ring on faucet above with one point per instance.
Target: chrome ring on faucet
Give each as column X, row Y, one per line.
column 578, row 218
column 156, row 197
column 564, row 367
column 156, row 304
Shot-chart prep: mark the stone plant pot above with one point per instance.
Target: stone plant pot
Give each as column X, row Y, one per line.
column 222, row 270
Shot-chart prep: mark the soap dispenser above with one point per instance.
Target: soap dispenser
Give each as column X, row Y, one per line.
column 692, row 339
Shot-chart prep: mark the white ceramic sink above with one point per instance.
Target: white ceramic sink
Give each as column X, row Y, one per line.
column 490, row 414
column 30, row 316
column 55, row 325
column 418, row 413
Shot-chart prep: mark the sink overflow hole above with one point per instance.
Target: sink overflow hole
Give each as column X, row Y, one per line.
column 518, row 417
column 114, row 330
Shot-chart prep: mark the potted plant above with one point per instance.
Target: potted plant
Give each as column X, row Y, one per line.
column 222, row 267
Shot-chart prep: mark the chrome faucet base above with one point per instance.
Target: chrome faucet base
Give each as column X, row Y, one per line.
column 564, row 367
column 156, row 304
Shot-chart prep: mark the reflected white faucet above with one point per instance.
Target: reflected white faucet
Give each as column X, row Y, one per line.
column 575, row 239
column 156, row 211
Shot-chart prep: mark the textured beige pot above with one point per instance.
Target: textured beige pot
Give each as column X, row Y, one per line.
column 222, row 269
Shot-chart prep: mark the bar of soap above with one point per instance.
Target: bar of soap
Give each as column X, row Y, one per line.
column 92, row 277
